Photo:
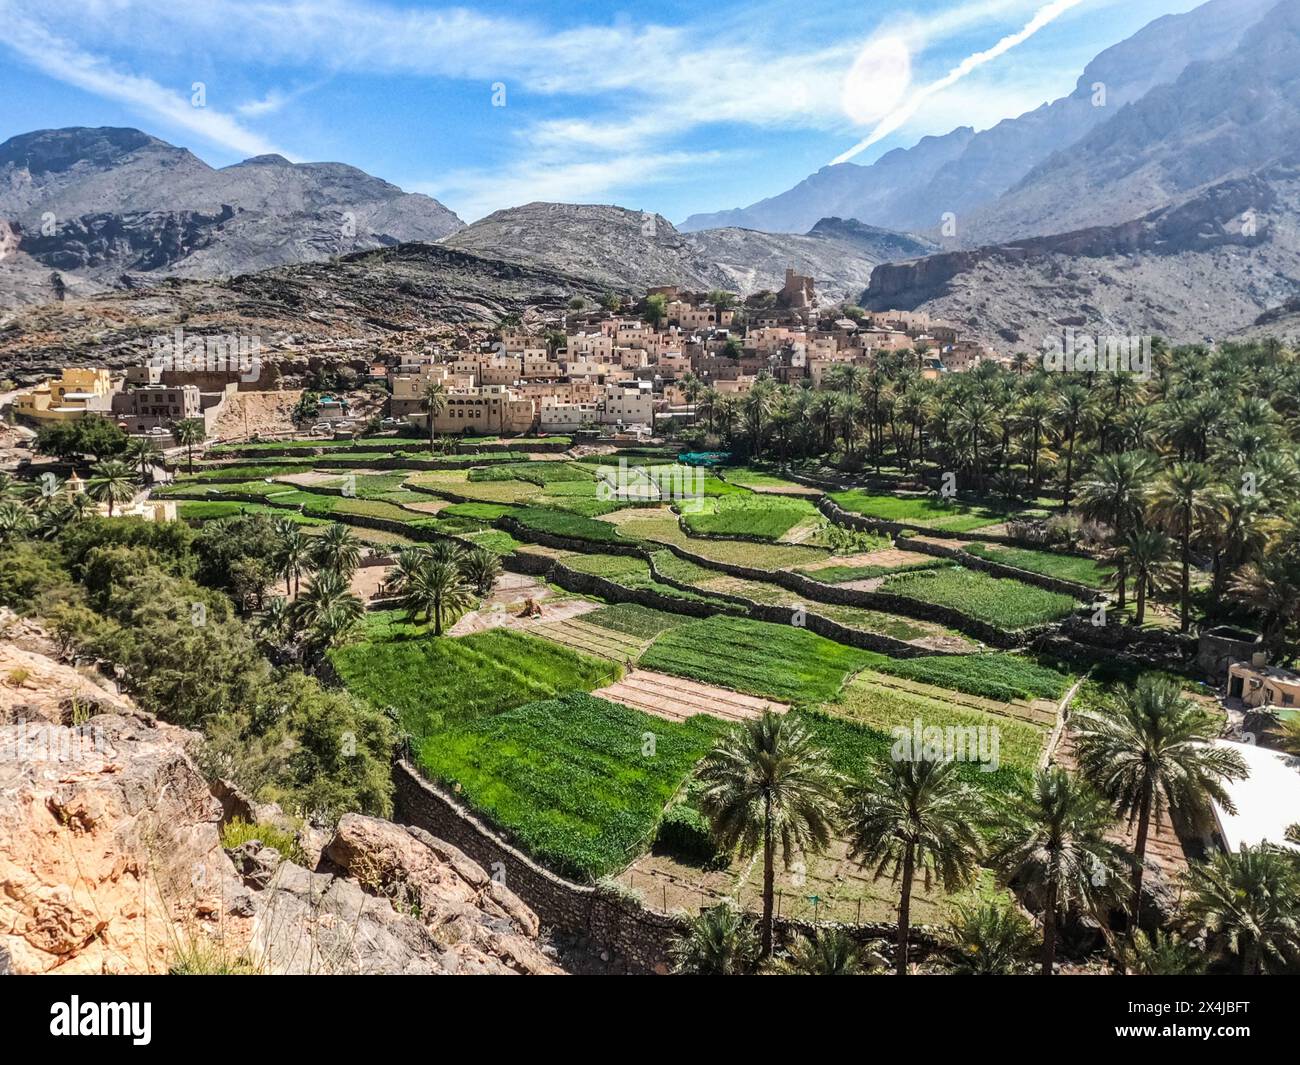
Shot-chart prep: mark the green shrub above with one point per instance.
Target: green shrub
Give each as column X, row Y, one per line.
column 238, row 832
column 684, row 833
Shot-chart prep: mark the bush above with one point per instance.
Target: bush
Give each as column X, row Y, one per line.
column 684, row 833
column 238, row 832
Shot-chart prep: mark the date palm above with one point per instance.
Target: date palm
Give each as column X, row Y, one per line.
column 293, row 555
column 766, row 784
column 1073, row 409
column 719, row 942
column 143, row 454
column 188, row 432
column 1184, row 502
column 433, row 586
column 434, row 400
column 1249, row 902
column 1161, row 954
column 1148, row 554
column 326, row 611
column 1150, row 750
column 15, row 520
column 831, row 952
column 990, row 939
column 481, row 568
column 337, row 549
column 111, row 482
column 1270, row 588
column 1115, row 493
column 1054, row 844
column 910, row 816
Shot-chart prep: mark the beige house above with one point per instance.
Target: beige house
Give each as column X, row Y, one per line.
column 488, row 409
column 1256, row 684
column 78, row 392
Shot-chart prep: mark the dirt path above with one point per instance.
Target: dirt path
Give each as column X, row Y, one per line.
column 501, row 609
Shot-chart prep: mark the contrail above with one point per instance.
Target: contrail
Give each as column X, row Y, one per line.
column 901, row 114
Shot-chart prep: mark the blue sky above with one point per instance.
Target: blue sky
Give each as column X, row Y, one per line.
column 667, row 106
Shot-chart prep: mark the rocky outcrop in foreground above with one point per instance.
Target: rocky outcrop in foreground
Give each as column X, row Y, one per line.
column 111, row 860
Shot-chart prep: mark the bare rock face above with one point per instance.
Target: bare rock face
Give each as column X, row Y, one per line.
column 111, row 861
column 486, row 927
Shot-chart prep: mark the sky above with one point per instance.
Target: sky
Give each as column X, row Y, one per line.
column 669, row 106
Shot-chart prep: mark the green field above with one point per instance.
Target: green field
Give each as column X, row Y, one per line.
column 994, row 676
column 768, row 517
column 924, row 511
column 580, row 782
column 1064, row 567
column 629, row 571
column 845, row 574
column 438, row 682
column 786, row 663
column 632, row 619
column 1005, row 603
column 660, row 525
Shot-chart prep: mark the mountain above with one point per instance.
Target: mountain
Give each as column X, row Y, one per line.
column 633, row 250
column 1220, row 118
column 351, row 307
column 96, row 204
column 1222, row 262
column 911, row 189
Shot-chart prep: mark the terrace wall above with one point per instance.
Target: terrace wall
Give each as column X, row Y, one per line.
column 862, row 523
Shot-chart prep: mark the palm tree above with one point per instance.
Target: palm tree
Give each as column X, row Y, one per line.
column 910, row 815
column 719, row 942
column 337, row 549
column 481, row 568
column 990, row 939
column 1115, row 494
column 831, row 952
column 1270, row 588
column 692, row 387
column 326, row 611
column 1148, row 555
column 1073, row 408
column 1150, row 750
column 1054, row 844
column 1250, row 903
column 144, row 454
column 111, row 481
column 767, row 783
column 293, row 554
column 434, row 400
column 188, row 432
column 15, row 521
column 1183, row 503
column 433, row 586
column 276, row 620
column 1161, row 954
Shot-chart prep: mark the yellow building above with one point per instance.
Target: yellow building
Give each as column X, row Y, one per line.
column 80, row 391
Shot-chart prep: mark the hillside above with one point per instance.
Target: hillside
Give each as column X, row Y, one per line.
column 96, row 204
column 632, row 250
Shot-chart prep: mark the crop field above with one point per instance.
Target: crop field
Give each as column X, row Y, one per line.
column 768, row 517
column 212, row 509
column 630, row 571
column 640, row 622
column 760, row 481
column 995, row 676
column 785, row 663
column 1064, row 567
column 580, row 635
column 568, row 778
column 660, row 525
column 1008, row 604
column 868, row 571
column 437, row 682
column 884, row 708
column 924, row 511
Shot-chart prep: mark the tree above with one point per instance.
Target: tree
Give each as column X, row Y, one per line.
column 1161, row 954
column 143, row 454
column 481, row 568
column 1150, row 750
column 766, row 784
column 1148, row 556
column 1054, row 844
column 1115, row 494
column 326, row 611
column 111, row 482
column 92, row 435
column 1184, row 504
column 293, row 555
column 188, row 432
column 432, row 582
column 719, row 942
column 990, row 939
column 1270, row 588
column 831, row 952
column 1249, row 902
column 656, row 309
column 337, row 549
column 434, row 400
column 915, row 815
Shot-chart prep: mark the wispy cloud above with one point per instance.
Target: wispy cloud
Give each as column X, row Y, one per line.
column 64, row 61
column 900, row 116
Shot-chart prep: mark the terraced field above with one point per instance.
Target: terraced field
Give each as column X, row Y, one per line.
column 581, row 635
column 678, row 699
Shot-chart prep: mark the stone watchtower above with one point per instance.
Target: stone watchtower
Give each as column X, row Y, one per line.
column 797, row 294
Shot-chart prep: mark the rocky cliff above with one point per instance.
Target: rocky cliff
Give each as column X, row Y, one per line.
column 111, row 860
